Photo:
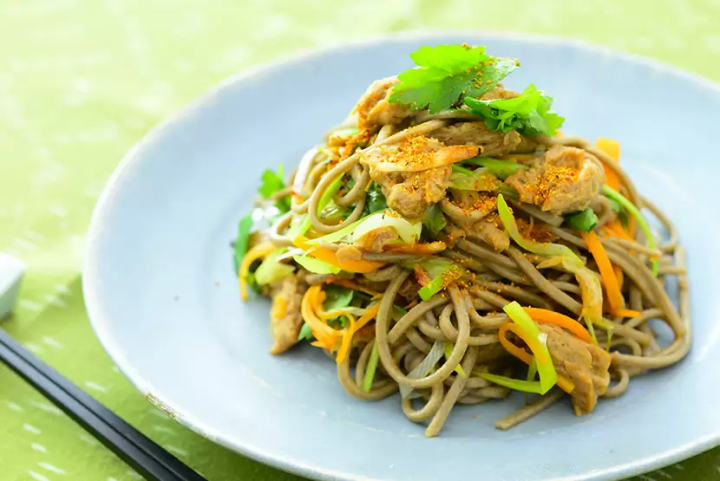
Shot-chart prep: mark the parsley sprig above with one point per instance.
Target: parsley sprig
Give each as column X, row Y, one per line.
column 529, row 113
column 446, row 73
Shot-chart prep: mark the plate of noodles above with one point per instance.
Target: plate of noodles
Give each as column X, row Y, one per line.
column 426, row 256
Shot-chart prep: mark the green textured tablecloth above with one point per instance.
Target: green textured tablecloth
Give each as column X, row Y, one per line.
column 82, row 80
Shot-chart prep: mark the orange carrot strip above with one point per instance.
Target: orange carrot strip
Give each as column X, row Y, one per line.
column 619, row 275
column 612, row 289
column 367, row 317
column 564, row 383
column 419, row 248
column 518, row 352
column 257, row 252
column 612, row 148
column 616, row 229
column 279, row 307
column 329, row 256
column 346, row 339
column 326, row 336
column 626, row 313
column 533, row 344
column 544, row 316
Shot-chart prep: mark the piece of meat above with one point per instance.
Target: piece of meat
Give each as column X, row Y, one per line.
column 491, row 353
column 411, row 193
column 491, row 143
column 285, row 316
column 452, row 234
column 475, row 203
column 490, row 231
column 585, row 365
column 375, row 240
column 415, row 154
column 374, row 107
column 500, row 92
column 565, row 179
column 348, row 253
column 535, row 231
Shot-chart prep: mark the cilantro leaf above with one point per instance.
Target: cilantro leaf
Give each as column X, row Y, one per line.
column 529, row 113
column 375, row 200
column 620, row 211
column 585, row 220
column 273, row 182
column 337, row 297
column 243, row 240
column 306, row 333
column 434, row 220
column 445, row 73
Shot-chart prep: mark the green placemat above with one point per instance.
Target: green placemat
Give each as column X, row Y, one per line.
column 82, row 80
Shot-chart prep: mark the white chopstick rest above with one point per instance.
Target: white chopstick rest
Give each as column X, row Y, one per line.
column 11, row 273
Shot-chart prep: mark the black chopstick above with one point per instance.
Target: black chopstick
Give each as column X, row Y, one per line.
column 133, row 447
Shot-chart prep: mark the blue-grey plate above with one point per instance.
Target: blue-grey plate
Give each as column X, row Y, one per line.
column 163, row 297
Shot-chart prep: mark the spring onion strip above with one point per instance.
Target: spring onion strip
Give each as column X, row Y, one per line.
column 316, row 266
column 329, row 193
column 502, row 169
column 448, row 352
column 548, row 375
column 425, row 367
column 541, row 248
column 630, row 207
column 371, row 368
column 515, row 384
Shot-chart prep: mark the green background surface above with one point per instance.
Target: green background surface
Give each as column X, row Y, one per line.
column 82, row 80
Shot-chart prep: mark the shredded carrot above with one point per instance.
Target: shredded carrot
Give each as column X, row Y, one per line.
column 544, row 316
column 518, row 352
column 354, row 286
column 612, row 289
column 368, row 316
column 533, row 344
column 619, row 275
column 616, row 229
column 612, row 149
column 418, row 248
column 326, row 336
column 626, row 313
column 314, row 314
column 279, row 307
column 298, row 197
column 346, row 339
column 257, row 252
column 329, row 256
column 319, row 307
column 563, row 383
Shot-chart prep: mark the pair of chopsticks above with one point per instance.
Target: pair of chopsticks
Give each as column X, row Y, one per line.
column 138, row 451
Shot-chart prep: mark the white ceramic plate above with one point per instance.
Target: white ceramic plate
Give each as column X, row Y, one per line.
column 162, row 294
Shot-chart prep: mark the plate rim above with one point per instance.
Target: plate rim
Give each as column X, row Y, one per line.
column 100, row 323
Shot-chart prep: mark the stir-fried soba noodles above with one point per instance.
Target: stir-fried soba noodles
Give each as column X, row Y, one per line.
column 448, row 242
